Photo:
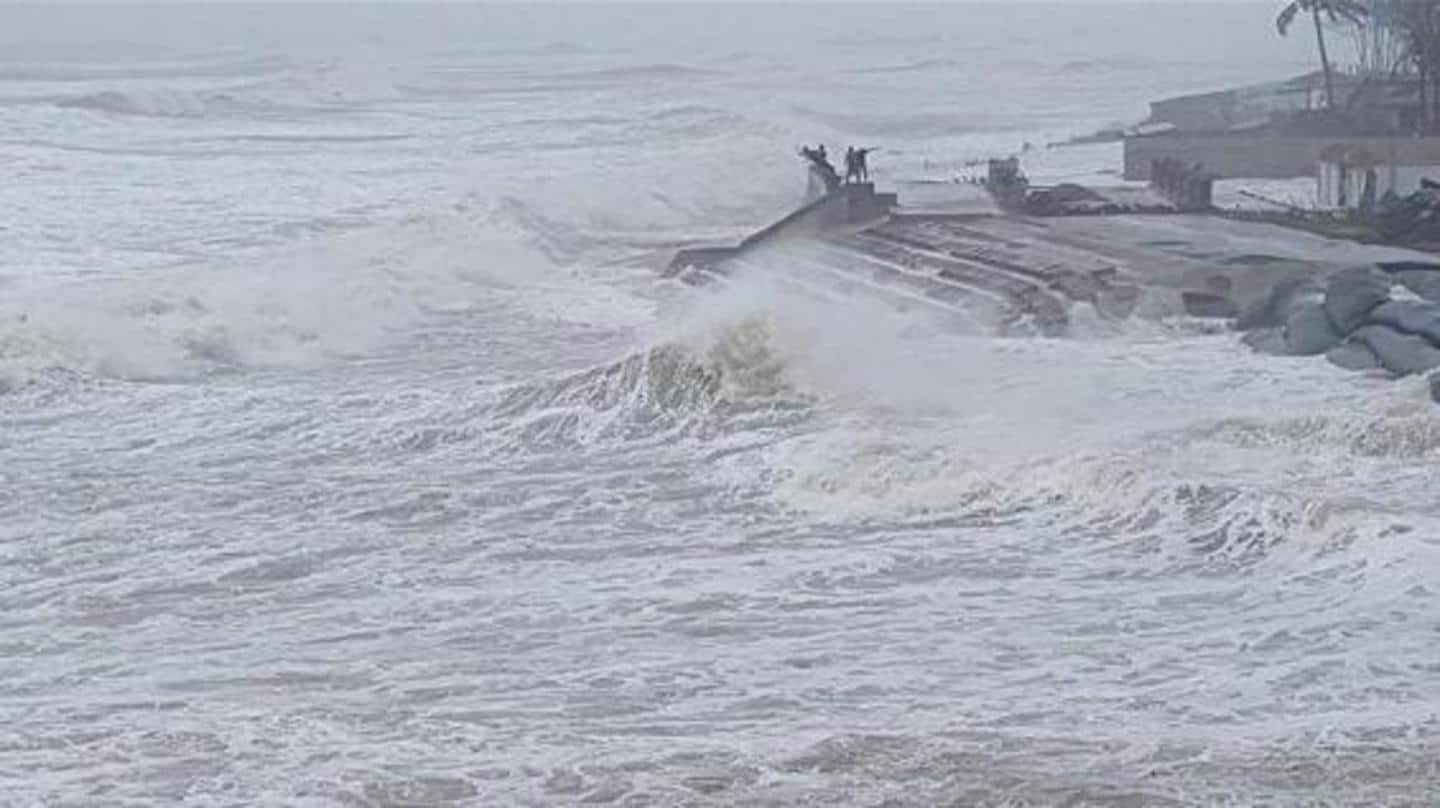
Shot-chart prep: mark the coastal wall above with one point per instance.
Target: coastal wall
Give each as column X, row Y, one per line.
column 1269, row 156
column 1345, row 187
column 1227, row 155
column 850, row 204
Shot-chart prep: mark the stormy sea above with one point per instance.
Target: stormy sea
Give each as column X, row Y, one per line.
column 354, row 450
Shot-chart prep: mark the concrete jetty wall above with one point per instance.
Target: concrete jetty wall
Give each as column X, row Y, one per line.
column 1266, row 156
column 1228, row 154
column 851, row 204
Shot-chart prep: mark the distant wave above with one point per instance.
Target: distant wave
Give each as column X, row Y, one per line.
column 694, row 120
column 87, row 73
column 336, row 139
column 914, row 67
column 1084, row 65
column 686, row 111
column 561, row 46
column 872, row 39
column 648, row 71
column 156, row 103
column 683, row 116
column 912, row 124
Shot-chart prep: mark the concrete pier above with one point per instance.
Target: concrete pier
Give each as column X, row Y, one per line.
column 1025, row 275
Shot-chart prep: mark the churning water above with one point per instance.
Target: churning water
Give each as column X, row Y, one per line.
column 353, row 453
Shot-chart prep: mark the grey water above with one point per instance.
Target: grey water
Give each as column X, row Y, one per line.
column 353, row 452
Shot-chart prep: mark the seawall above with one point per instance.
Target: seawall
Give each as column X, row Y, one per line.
column 1233, row 155
column 851, row 204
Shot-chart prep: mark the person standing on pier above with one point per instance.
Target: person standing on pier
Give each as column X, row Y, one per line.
column 820, row 164
column 856, row 169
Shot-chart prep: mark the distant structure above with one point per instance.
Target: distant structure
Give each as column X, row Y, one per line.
column 1356, row 175
column 1273, row 130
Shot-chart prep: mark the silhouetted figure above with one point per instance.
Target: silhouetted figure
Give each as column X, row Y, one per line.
column 855, row 168
column 820, row 165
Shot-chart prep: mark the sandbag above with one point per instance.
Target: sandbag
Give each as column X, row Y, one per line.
column 1274, row 308
column 1353, row 356
column 1266, row 341
column 1424, row 283
column 1401, row 354
column 1410, row 317
column 1308, row 331
column 1352, row 294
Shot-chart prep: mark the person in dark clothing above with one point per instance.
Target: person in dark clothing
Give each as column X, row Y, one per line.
column 820, row 164
column 862, row 169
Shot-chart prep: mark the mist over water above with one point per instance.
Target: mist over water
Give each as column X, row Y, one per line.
column 353, row 452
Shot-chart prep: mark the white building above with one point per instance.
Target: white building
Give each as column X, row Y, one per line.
column 1348, row 174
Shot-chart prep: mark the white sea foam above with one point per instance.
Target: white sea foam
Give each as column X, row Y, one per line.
column 352, row 451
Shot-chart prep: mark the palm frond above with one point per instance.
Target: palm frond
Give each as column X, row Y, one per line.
column 1287, row 16
column 1339, row 11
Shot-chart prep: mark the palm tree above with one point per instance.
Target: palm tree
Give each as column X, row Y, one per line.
column 1417, row 24
column 1336, row 11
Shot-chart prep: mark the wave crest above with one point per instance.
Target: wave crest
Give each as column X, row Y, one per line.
column 1113, row 502
column 736, row 370
column 914, row 67
column 1398, row 435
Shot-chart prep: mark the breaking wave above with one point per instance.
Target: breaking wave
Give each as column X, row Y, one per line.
column 1404, row 435
column 156, row 339
column 731, row 373
column 299, row 303
column 1118, row 500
